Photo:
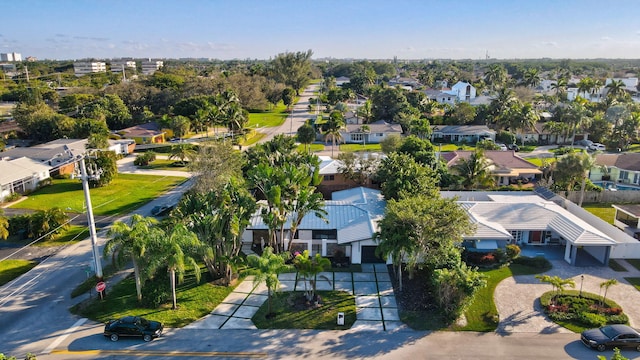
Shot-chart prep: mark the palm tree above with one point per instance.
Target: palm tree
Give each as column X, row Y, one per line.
column 521, row 117
column 616, row 89
column 266, row 268
column 475, row 171
column 182, row 152
column 173, row 251
column 496, row 76
column 606, row 285
column 531, row 77
column 585, row 85
column 307, row 201
column 333, row 129
column 365, row 129
column 309, row 268
column 560, row 86
column 48, row 223
column 130, row 242
column 4, row 226
column 586, row 163
column 557, row 283
column 577, row 116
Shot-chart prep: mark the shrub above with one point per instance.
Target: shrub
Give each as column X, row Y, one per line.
column 591, row 319
column 501, row 256
column 537, row 262
column 144, row 159
column 562, row 316
column 513, row 251
column 618, row 319
column 12, row 197
column 155, row 293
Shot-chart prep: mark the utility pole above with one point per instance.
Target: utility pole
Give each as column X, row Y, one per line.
column 26, row 70
column 92, row 225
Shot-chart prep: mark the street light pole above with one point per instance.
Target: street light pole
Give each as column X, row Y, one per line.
column 581, row 281
column 92, row 225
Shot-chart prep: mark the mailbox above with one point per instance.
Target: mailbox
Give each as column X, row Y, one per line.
column 340, row 318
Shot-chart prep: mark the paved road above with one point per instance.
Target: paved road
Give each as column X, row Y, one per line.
column 299, row 114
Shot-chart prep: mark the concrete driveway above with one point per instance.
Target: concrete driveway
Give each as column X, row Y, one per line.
column 517, row 301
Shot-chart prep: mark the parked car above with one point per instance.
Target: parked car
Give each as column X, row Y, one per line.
column 611, row 336
column 585, row 143
column 160, row 210
column 513, row 147
column 597, row 147
column 132, row 326
column 503, row 147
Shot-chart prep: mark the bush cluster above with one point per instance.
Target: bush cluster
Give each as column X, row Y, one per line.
column 537, row 262
column 144, row 159
column 586, row 310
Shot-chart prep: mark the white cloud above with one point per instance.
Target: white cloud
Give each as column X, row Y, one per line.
column 550, row 44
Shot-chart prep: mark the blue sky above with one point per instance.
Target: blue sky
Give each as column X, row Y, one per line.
column 367, row 29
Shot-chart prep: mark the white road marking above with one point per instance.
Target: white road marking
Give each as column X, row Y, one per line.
column 64, row 335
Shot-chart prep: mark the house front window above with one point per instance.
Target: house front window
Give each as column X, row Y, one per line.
column 517, row 236
column 328, row 177
column 324, row 234
column 357, row 137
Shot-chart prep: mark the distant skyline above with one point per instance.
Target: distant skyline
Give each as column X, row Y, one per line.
column 365, row 29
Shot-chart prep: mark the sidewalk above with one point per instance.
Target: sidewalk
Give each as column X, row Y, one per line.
column 376, row 307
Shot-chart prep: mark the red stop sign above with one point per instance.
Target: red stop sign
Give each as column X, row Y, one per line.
column 101, row 286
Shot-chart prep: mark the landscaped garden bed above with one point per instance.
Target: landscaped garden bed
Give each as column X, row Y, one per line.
column 579, row 311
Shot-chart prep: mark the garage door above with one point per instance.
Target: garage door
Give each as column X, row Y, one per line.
column 369, row 255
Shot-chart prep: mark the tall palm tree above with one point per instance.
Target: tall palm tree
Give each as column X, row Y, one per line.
column 586, row 163
column 174, row 250
column 496, row 76
column 606, row 285
column 266, row 268
column 560, row 86
column 308, row 201
column 531, row 77
column 578, row 117
column 131, row 242
column 475, row 171
column 183, row 152
column 584, row 86
column 522, row 117
column 333, row 129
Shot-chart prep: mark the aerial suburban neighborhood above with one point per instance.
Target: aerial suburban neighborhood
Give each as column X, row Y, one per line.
column 168, row 200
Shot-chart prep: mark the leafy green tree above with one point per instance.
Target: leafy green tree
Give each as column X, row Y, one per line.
column 587, row 162
column 389, row 104
column 292, row 69
column 390, row 143
column 309, row 267
column 111, row 109
column 358, row 169
column 214, row 165
column 571, row 169
column 306, row 135
column 4, row 226
column 162, row 80
column 131, row 242
column 266, row 268
column 401, row 175
column 422, row 229
column 173, row 251
column 462, row 114
column 420, row 149
column 288, row 97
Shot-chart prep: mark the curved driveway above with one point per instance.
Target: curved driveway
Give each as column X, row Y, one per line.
column 517, row 302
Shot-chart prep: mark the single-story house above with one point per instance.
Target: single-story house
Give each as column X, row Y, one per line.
column 372, row 133
column 352, row 216
column 503, row 218
column 21, row 175
column 541, row 135
column 621, row 168
column 461, row 133
column 460, row 92
column 333, row 180
column 149, row 133
column 506, row 166
column 122, row 147
column 59, row 154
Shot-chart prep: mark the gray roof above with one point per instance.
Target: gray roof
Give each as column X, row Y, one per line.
column 19, row 169
column 61, row 150
column 528, row 214
column 461, row 129
column 379, row 126
column 354, row 213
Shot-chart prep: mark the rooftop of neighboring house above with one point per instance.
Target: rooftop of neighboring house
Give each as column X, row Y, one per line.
column 379, row 126
column 461, row 129
column 21, row 168
column 624, row 161
column 507, row 160
column 60, row 149
column 142, row 130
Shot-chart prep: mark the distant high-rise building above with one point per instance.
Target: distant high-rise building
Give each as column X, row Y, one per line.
column 81, row 68
column 31, row 59
column 151, row 66
column 10, row 56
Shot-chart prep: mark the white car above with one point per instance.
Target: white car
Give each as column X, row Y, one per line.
column 597, row 147
column 503, row 147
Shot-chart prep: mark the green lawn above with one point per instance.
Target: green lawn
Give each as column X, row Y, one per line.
column 634, row 281
column 320, row 318
column 359, row 147
column 275, row 117
column 634, row 262
column 482, row 314
column 312, row 147
column 603, row 211
column 538, row 161
column 11, row 269
column 452, row 147
column 615, row 266
column 194, row 301
column 165, row 164
column 126, row 193
column 75, row 233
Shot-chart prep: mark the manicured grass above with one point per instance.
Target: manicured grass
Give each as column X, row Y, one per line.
column 320, row 318
column 634, row 262
column 452, row 147
column 73, row 234
column 11, row 269
column 125, row 193
column 251, row 138
column 360, row 147
column 634, row 148
column 482, row 314
column 633, row 281
column 615, row 266
column 165, row 164
column 275, row 117
column 601, row 210
column 312, row 147
column 194, row 301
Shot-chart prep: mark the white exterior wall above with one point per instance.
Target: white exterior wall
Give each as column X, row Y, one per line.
column 83, row 68
column 460, row 91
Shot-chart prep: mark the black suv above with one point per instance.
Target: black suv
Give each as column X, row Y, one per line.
column 132, row 326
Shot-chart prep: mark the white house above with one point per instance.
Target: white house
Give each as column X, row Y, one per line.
column 151, row 66
column 21, row 175
column 81, row 68
column 461, row 133
column 352, row 219
column 372, row 133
